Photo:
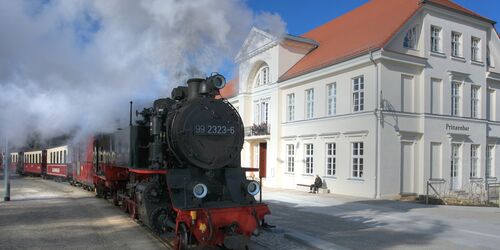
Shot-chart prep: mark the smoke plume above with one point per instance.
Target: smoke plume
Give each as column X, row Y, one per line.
column 72, row 66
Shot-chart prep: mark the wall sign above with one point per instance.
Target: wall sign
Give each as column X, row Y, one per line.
column 456, row 127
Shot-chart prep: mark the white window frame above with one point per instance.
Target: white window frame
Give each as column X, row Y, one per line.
column 358, row 94
column 331, row 159
column 290, row 158
column 410, row 39
column 264, row 112
column 309, row 103
column 474, row 101
column 357, row 160
column 290, row 107
column 262, row 76
column 475, row 160
column 456, row 99
column 456, row 44
column 331, row 102
column 456, row 158
column 309, row 158
column 475, row 49
column 490, row 152
column 436, row 40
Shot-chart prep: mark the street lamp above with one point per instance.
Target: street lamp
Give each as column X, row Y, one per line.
column 6, row 171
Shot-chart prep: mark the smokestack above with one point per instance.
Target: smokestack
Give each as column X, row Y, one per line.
column 194, row 88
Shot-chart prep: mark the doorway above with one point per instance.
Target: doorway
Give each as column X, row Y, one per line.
column 262, row 159
column 407, row 168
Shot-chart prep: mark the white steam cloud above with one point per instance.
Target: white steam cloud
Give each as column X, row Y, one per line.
column 69, row 66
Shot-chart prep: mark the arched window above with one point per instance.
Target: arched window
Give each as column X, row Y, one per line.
column 262, row 77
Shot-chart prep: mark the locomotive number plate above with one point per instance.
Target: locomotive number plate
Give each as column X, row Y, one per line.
column 208, row 129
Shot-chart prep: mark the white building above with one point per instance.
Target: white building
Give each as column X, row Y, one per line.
column 377, row 101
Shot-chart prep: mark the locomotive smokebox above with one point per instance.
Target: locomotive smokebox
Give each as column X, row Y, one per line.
column 194, row 86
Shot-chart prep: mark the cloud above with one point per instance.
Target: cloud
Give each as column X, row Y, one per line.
column 74, row 65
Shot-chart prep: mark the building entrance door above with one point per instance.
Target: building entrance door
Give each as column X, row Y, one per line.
column 407, row 169
column 262, row 159
column 455, row 167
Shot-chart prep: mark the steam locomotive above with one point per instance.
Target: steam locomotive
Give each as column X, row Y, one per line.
column 177, row 169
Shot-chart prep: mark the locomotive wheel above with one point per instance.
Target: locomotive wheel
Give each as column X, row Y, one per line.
column 182, row 237
column 157, row 218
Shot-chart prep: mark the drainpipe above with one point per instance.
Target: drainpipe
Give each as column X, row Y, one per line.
column 377, row 129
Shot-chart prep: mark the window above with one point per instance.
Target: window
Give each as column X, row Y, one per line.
column 261, row 112
column 490, row 151
column 309, row 103
column 474, row 99
column 475, row 49
column 456, row 44
column 332, row 98
column 262, row 77
column 357, row 159
column 331, row 152
column 435, row 39
column 455, row 98
column 410, row 40
column 290, row 158
column 309, row 159
column 455, row 159
column 488, row 57
column 358, row 94
column 290, row 107
column 474, row 161
column 265, row 112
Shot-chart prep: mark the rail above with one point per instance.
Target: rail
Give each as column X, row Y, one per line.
column 493, row 191
column 429, row 185
column 258, row 129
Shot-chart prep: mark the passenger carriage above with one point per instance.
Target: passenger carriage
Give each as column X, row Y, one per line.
column 35, row 163
column 59, row 162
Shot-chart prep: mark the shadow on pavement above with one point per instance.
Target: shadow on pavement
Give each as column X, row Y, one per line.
column 371, row 224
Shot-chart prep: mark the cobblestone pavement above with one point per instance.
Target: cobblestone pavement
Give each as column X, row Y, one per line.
column 45, row 214
column 275, row 240
column 357, row 223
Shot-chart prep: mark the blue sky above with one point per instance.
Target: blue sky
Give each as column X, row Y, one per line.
column 302, row 16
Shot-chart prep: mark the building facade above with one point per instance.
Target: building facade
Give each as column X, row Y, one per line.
column 377, row 102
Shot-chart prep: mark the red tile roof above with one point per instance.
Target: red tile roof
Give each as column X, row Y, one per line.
column 367, row 28
column 231, row 89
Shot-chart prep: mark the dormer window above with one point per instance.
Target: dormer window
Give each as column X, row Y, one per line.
column 262, row 77
column 410, row 40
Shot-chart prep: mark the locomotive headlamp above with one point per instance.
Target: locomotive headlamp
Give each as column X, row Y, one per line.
column 253, row 187
column 219, row 81
column 200, row 190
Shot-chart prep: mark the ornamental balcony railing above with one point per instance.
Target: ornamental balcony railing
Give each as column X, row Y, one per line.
column 257, row 129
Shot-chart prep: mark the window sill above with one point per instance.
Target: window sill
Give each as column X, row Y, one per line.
column 411, row 49
column 475, row 179
column 289, row 173
column 308, row 175
column 355, row 179
column 478, row 63
column 438, row 54
column 458, row 58
column 333, row 177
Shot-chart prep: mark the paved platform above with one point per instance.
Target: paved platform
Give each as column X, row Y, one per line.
column 43, row 214
column 328, row 221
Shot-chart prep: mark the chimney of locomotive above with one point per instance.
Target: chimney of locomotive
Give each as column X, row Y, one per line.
column 194, row 85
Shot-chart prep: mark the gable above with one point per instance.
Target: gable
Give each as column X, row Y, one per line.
column 256, row 42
